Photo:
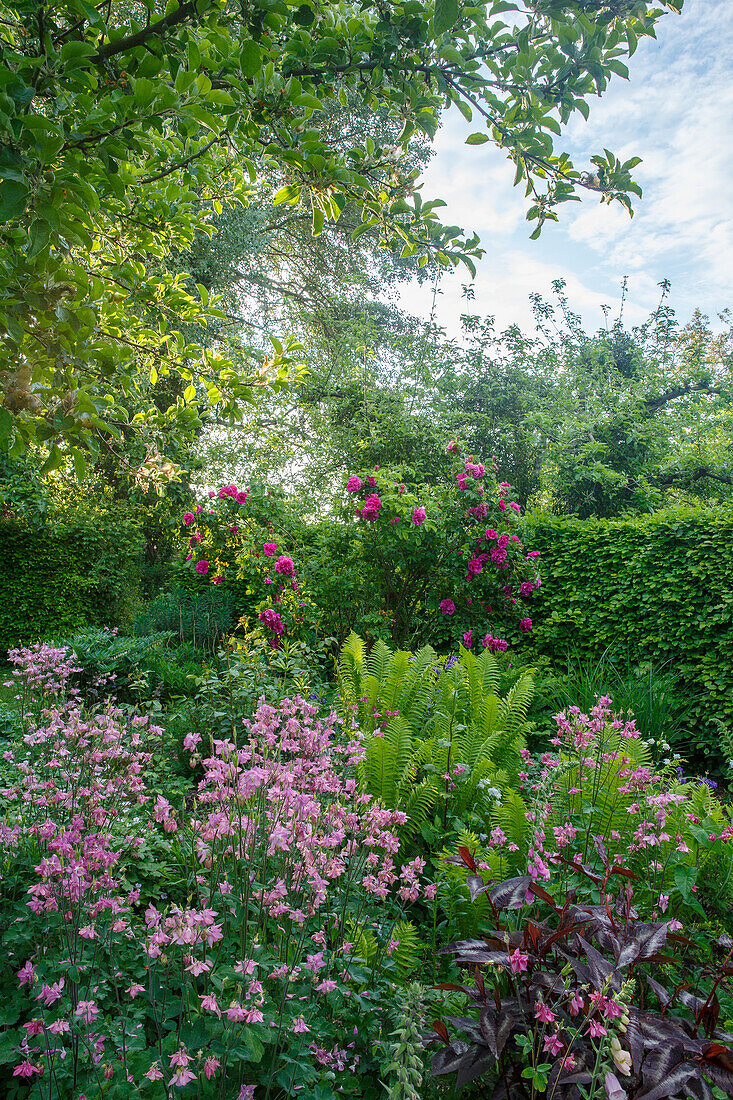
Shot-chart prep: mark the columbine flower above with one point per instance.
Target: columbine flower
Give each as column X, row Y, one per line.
column 544, row 1013
column 518, row 961
column 88, row 1011
column 300, row 1027
column 211, row 1065
column 552, row 1044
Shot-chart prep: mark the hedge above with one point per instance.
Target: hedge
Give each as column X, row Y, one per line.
column 54, row 581
column 655, row 588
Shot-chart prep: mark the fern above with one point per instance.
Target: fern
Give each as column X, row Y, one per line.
column 420, row 725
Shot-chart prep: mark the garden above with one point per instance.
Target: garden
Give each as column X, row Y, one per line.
column 366, row 692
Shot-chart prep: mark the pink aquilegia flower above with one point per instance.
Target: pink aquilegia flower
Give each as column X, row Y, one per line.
column 211, row 1065
column 518, row 961
column 552, row 1044
column 26, row 973
column 544, row 1013
column 26, row 1069
column 88, row 1011
column 300, row 1027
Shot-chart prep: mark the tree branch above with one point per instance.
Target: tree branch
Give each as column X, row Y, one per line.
column 122, row 45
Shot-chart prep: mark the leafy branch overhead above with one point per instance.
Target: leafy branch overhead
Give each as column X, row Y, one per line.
column 123, row 129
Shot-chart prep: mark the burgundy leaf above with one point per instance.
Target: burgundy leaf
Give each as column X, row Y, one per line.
column 467, row 1025
column 600, row 968
column 616, row 870
column 470, row 1069
column 663, row 994
column 452, row 986
column 671, row 1084
column 440, row 1029
column 719, row 1055
column 699, row 1089
column 476, row 886
column 650, row 938
column 720, row 1077
column 467, row 858
column 540, row 892
column 512, row 893
column 600, row 847
column 446, row 1060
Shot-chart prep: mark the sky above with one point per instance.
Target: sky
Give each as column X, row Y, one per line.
column 676, row 112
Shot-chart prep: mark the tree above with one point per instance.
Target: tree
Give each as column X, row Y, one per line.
column 597, row 424
column 125, row 128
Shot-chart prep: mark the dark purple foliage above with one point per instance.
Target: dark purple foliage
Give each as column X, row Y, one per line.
column 547, row 995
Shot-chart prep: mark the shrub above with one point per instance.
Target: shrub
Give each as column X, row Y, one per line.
column 200, row 617
column 654, row 588
column 56, row 579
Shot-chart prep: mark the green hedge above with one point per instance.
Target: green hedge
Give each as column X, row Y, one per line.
column 655, row 588
column 54, row 581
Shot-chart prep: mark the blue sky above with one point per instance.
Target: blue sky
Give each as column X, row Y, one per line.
column 676, row 112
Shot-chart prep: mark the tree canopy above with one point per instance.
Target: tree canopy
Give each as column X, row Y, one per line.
column 125, row 129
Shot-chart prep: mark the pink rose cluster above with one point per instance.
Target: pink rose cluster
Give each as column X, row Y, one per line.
column 372, row 504
column 240, row 495
column 273, row 620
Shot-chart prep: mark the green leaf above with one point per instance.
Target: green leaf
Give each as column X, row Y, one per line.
column 446, row 14
column 250, row 58
column 6, row 423
column 13, row 199
column 290, row 193
column 318, row 220
column 684, row 878
column 477, row 139
column 80, row 465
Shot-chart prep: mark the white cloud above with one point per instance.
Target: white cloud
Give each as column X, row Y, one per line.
column 677, row 114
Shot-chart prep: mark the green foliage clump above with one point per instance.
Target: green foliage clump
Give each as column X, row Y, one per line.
column 202, row 617
column 434, row 734
column 654, row 588
column 62, row 577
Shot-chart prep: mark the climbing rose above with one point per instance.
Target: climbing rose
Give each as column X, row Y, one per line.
column 353, row 484
column 285, row 566
column 241, row 496
column 269, row 549
column 188, row 518
column 418, row 516
column 468, row 639
column 525, row 625
column 202, row 567
column 372, row 504
column 447, row 607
